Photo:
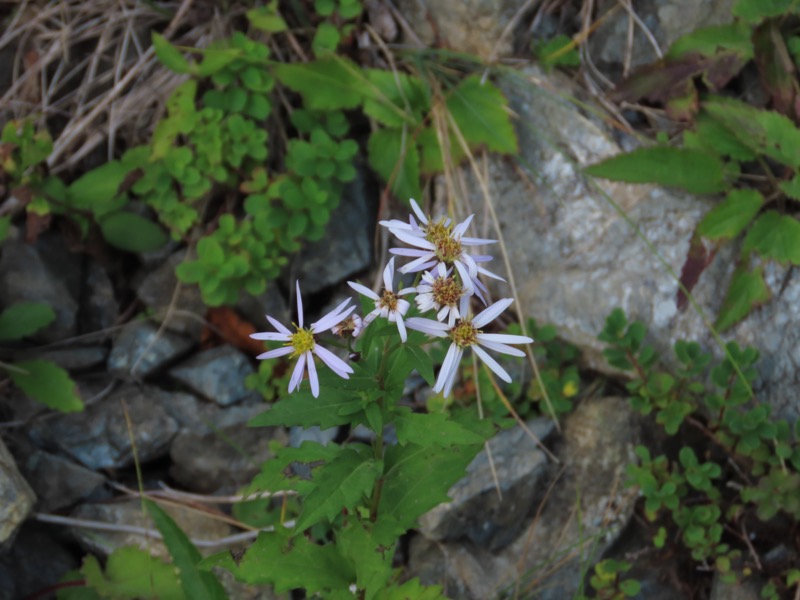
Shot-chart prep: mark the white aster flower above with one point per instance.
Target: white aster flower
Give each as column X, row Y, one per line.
column 302, row 345
column 441, row 292
column 388, row 305
column 350, row 327
column 467, row 333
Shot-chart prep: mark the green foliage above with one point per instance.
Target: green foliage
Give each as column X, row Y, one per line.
column 23, row 319
column 608, row 583
column 130, row 573
column 559, row 51
column 48, row 383
column 730, row 217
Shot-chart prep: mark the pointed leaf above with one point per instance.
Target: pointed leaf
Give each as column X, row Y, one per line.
column 746, row 291
column 47, row 383
column 775, row 236
column 330, row 83
column 98, row 186
column 394, row 156
column 129, row 231
column 692, row 170
column 730, row 217
column 371, row 561
column 480, row 112
column 432, row 429
column 395, row 98
column 169, row 55
column 23, row 319
column 756, row 10
column 132, row 573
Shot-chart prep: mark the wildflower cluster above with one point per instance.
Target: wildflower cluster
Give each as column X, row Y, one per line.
column 448, row 281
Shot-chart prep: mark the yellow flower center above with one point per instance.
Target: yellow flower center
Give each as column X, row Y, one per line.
column 446, row 291
column 302, row 341
column 464, row 334
column 388, row 300
column 440, row 235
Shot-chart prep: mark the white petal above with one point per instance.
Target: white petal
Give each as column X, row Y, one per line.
column 277, row 325
column 282, row 351
column 408, row 252
column 459, row 229
column 420, row 264
column 335, row 364
column 442, row 314
column 363, row 290
column 471, row 241
column 312, row 375
column 502, row 348
column 402, row 306
column 401, row 328
column 489, row 274
column 466, row 280
column 271, row 336
column 299, row 305
column 447, row 366
column 388, row 274
column 505, row 338
column 472, row 267
column 450, row 369
column 490, row 314
column 413, row 240
column 405, row 291
column 331, row 319
column 418, row 211
column 297, row 374
column 492, row 363
column 428, row 326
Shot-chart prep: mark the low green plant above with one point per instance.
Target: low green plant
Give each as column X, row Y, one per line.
column 607, row 581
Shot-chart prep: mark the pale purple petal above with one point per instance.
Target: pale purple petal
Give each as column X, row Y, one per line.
column 282, row 351
column 401, row 328
column 277, row 325
column 422, row 263
column 413, row 240
column 492, row 363
column 335, row 364
column 459, row 229
column 428, row 326
column 271, row 336
column 466, row 280
column 388, row 274
column 471, row 241
column 312, row 375
column 405, row 291
column 491, row 313
column 505, row 338
column 418, row 211
column 472, row 267
column 489, row 274
column 297, row 374
column 409, row 252
column 447, row 366
column 502, row 348
column 363, row 290
column 332, row 319
column 299, row 305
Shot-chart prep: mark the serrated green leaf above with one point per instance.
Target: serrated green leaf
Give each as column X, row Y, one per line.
column 394, row 98
column 129, row 231
column 416, row 479
column 422, row 363
column 98, row 186
column 216, row 59
column 394, row 156
column 371, row 561
column 692, row 170
column 712, row 136
column 756, row 10
column 412, row 589
column 169, row 55
column 340, row 484
column 329, row 83
column 432, row 429
column 764, row 131
column 730, row 217
column 289, row 564
column 775, row 236
column 746, row 291
column 479, row 110
column 709, row 41
column 196, row 584
column 132, row 573
column 266, row 18
column 47, row 383
column 23, row 319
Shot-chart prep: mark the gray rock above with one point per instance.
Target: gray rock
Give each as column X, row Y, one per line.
column 60, row 483
column 574, row 258
column 471, row 26
column 217, row 374
column 16, row 497
column 99, row 306
column 583, row 513
column 271, row 303
column 749, row 589
column 222, row 461
column 346, row 247
column 667, row 20
column 196, row 524
column 142, row 350
column 157, row 290
column 201, row 417
column 99, row 438
column 488, row 510
column 76, row 358
column 298, row 435
column 28, row 276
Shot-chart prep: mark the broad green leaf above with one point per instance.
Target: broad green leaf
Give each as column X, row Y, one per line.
column 558, row 51
column 729, row 218
column 432, row 429
column 709, row 41
column 340, row 484
column 421, row 362
column 329, row 83
column 75, row 587
column 395, row 98
column 416, row 479
column 775, row 236
column 326, row 39
column 289, row 563
column 746, row 291
column 196, row 584
column 278, row 473
column 169, row 55
column 394, row 156
column 692, row 170
column 791, row 188
column 371, row 561
column 47, row 383
column 712, row 136
column 412, row 589
column 764, row 131
column 267, row 18
column 480, row 112
column 335, row 405
column 23, row 319
column 216, row 59
column 756, row 10
column 131, row 573
column 129, row 231
column 98, row 186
